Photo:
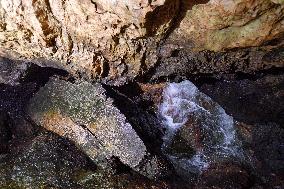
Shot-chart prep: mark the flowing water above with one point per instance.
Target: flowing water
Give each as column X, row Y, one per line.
column 183, row 102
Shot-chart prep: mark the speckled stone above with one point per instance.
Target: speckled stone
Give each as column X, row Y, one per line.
column 82, row 113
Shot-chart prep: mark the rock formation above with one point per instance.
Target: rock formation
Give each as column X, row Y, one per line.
column 82, row 113
column 93, row 94
column 116, row 41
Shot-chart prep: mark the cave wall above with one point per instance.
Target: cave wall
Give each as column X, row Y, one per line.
column 116, row 41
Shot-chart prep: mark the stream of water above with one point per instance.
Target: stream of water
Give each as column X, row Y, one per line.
column 183, row 102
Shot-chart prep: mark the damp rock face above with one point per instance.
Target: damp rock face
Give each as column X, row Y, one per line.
column 225, row 175
column 41, row 162
column 251, row 101
column 82, row 113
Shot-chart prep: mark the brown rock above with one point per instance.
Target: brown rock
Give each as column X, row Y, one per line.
column 224, row 175
column 116, row 41
column 101, row 38
column 226, row 24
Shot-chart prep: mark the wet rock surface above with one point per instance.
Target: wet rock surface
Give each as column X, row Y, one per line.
column 225, row 175
column 198, row 124
column 31, row 157
column 263, row 143
column 256, row 105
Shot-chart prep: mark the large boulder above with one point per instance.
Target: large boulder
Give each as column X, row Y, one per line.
column 81, row 112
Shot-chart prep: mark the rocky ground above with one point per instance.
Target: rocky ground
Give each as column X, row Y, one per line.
column 56, row 132
column 170, row 94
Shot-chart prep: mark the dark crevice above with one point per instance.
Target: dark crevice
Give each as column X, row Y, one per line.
column 41, row 75
column 146, row 77
column 146, row 125
column 211, row 78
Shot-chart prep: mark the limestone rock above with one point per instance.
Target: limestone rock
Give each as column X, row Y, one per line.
column 226, row 24
column 108, row 40
column 117, row 41
column 63, row 107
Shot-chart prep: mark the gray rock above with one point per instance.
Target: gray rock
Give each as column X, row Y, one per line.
column 82, row 113
column 11, row 72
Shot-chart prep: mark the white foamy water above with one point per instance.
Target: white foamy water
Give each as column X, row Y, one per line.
column 183, row 101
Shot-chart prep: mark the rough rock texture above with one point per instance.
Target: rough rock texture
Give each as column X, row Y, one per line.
column 225, row 24
column 50, row 161
column 116, row 41
column 256, row 103
column 263, row 145
column 30, row 157
column 11, row 72
column 180, row 64
column 82, row 113
column 105, row 39
column 18, row 82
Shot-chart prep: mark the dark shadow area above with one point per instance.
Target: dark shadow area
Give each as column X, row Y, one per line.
column 146, row 125
column 235, row 64
column 41, row 75
column 251, row 100
column 19, row 82
column 5, row 132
